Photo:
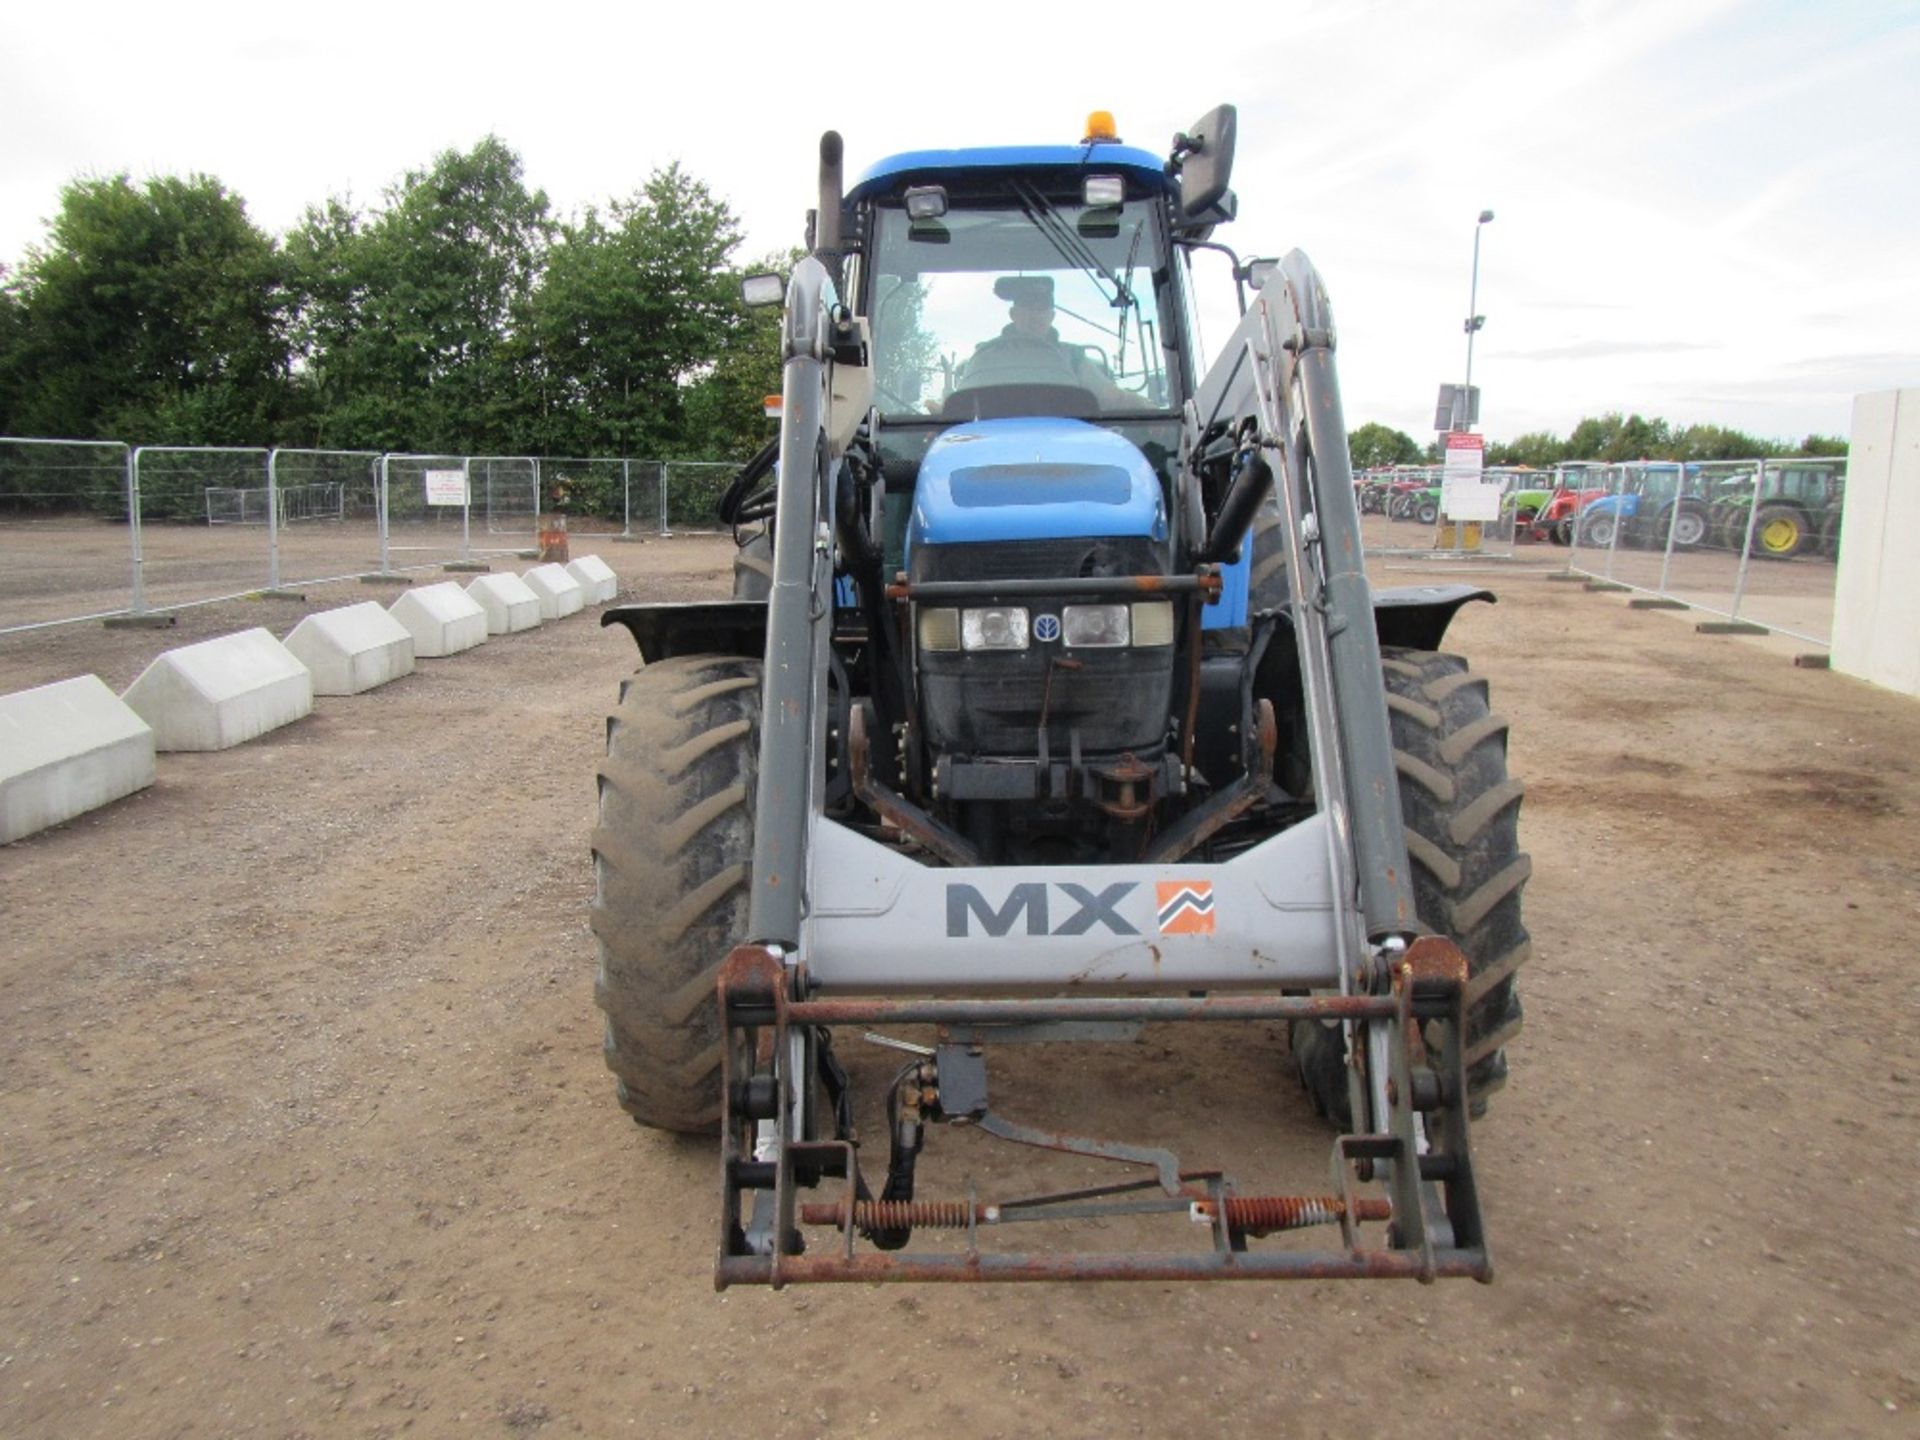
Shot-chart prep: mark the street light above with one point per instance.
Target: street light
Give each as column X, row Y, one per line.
column 1474, row 319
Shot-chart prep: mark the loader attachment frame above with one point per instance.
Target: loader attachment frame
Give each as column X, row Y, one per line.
column 1356, row 956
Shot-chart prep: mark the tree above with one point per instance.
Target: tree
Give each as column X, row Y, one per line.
column 637, row 312
column 412, row 329
column 155, row 314
column 1536, row 448
column 1374, row 445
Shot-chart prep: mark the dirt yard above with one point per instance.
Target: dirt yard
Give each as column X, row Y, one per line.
column 304, row 1129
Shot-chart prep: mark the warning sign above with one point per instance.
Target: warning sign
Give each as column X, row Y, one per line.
column 1465, row 492
column 446, row 487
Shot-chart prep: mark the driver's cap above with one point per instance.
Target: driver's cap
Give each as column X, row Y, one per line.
column 1033, row 291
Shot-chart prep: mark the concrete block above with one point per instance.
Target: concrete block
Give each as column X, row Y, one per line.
column 596, row 578
column 443, row 619
column 509, row 604
column 221, row 692
column 353, row 648
column 560, row 594
column 65, row 749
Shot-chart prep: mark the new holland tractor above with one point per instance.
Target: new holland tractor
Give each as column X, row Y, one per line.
column 1053, row 702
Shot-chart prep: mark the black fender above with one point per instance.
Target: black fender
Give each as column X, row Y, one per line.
column 697, row 627
column 1416, row 617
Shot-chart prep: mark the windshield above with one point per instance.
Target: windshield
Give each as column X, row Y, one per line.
column 1018, row 305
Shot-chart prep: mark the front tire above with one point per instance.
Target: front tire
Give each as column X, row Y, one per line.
column 753, row 566
column 1461, row 812
column 672, row 854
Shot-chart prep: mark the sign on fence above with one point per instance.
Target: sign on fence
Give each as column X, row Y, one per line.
column 446, row 487
column 1465, row 491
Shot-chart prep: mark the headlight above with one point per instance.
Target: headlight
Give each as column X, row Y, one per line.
column 1002, row 627
column 1094, row 626
column 939, row 629
column 1152, row 622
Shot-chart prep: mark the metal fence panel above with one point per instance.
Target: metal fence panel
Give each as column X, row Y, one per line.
column 65, row 546
column 178, row 558
column 417, row 533
column 690, row 494
column 507, row 490
column 1402, row 512
column 1747, row 542
column 325, row 523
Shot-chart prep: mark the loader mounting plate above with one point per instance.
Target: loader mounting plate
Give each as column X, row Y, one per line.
column 1410, row 1181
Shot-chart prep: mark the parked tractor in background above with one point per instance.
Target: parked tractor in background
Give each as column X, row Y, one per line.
column 1549, row 513
column 1653, row 501
column 1800, row 505
column 1054, row 700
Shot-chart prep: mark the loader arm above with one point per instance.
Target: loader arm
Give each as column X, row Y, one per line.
column 838, row 921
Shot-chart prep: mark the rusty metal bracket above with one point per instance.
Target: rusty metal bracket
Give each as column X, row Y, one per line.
column 1419, row 1152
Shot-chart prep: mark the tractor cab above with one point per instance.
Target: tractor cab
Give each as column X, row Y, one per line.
column 1032, row 283
column 1026, row 333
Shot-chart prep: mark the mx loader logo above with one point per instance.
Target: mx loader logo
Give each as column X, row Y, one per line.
column 1184, row 907
column 1029, row 903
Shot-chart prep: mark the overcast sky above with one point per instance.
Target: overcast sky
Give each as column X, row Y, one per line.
column 1705, row 210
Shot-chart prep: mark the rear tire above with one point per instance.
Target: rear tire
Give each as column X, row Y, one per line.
column 1267, row 561
column 672, row 855
column 1779, row 532
column 1689, row 528
column 1461, row 814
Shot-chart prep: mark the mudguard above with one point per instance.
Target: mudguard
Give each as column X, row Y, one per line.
column 1416, row 617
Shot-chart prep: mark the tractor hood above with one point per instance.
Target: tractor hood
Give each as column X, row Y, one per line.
column 1034, row 479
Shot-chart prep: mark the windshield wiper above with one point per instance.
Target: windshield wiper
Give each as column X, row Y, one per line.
column 1068, row 243
column 1132, row 250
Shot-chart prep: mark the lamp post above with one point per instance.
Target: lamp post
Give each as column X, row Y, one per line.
column 1474, row 319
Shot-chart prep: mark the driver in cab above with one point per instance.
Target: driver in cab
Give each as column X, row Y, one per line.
column 1030, row 351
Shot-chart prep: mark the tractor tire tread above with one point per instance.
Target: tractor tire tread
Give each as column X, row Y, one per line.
column 672, row 855
column 1460, row 811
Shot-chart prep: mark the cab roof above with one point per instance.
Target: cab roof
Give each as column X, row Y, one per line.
column 1138, row 165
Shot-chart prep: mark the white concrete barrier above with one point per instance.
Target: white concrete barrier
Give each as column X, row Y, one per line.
column 560, row 594
column 221, row 692
column 443, row 619
column 352, row 649
column 65, row 749
column 509, row 604
column 1876, row 606
column 596, row 577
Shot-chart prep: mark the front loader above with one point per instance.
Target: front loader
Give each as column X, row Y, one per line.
column 1054, row 702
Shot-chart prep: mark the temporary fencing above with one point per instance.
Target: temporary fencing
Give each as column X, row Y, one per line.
column 93, row 530
column 1754, row 543
column 1403, row 512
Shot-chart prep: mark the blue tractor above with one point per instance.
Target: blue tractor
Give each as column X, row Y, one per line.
column 1053, row 700
column 1654, row 501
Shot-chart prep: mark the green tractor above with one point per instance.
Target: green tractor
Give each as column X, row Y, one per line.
column 1800, row 505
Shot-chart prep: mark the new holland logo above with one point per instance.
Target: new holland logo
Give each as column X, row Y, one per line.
column 1185, row 907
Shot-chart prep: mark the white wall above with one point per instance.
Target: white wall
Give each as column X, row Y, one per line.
column 1876, row 609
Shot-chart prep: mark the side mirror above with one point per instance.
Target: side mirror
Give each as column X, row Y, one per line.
column 1256, row 272
column 760, row 290
column 1204, row 159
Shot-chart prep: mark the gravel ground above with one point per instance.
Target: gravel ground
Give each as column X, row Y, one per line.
column 304, row 1129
